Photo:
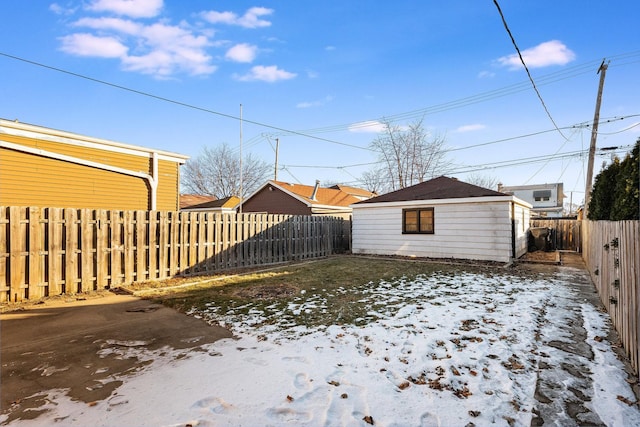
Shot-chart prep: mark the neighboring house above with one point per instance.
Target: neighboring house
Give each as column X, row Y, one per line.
column 277, row 197
column 442, row 218
column 226, row 205
column 187, row 200
column 546, row 199
column 358, row 193
column 43, row 167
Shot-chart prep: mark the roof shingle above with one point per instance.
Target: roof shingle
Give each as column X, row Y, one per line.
column 437, row 188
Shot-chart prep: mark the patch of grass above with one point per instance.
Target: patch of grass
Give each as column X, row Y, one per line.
column 329, row 291
column 320, row 292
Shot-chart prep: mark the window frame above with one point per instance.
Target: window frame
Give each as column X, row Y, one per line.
column 418, row 225
column 542, row 195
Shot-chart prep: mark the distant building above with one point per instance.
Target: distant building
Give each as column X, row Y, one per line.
column 226, row 205
column 188, row 200
column 358, row 193
column 277, row 197
column 546, row 199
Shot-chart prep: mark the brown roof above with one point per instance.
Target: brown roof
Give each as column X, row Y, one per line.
column 188, row 200
column 227, row 202
column 437, row 188
column 354, row 191
column 324, row 196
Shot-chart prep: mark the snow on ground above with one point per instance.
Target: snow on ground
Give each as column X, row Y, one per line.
column 441, row 350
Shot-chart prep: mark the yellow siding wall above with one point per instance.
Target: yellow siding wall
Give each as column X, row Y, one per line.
column 168, row 185
column 32, row 180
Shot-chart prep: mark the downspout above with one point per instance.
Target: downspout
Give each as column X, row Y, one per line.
column 152, row 180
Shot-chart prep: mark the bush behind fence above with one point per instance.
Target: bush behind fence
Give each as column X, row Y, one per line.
column 51, row 251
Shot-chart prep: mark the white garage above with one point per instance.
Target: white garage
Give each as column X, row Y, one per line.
column 442, row 218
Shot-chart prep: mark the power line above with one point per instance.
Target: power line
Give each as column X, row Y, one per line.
column 180, row 103
column 557, row 76
column 574, row 127
column 513, row 41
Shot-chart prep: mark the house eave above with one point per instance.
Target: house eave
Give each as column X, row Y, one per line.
column 13, row 128
column 435, row 202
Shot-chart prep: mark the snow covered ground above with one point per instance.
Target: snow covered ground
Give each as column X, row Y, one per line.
column 441, row 350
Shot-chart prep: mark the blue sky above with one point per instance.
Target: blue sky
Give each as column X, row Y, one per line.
column 312, row 73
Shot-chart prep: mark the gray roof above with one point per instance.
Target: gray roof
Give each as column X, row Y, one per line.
column 437, row 188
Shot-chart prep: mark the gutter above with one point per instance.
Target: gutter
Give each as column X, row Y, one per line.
column 152, row 180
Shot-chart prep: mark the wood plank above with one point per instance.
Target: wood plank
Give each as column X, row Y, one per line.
column 201, row 242
column 163, row 242
column 37, row 288
column 174, row 243
column 102, row 249
column 86, row 250
column 153, row 270
column 116, row 253
column 71, row 251
column 5, row 282
column 185, row 223
column 211, row 244
column 193, row 241
column 141, row 246
column 16, row 248
column 129, row 247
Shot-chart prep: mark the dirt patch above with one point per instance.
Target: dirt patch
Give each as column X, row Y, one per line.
column 541, row 257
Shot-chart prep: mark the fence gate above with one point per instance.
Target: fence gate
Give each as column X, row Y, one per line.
column 566, row 232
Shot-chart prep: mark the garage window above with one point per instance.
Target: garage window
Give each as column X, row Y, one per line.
column 417, row 221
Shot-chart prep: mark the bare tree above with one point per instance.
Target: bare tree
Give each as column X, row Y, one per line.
column 408, row 154
column 216, row 172
column 484, row 181
column 374, row 181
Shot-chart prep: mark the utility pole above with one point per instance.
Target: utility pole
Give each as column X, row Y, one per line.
column 594, row 135
column 240, row 195
column 275, row 172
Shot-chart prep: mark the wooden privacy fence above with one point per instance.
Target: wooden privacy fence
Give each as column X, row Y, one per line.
column 50, row 251
column 611, row 251
column 566, row 235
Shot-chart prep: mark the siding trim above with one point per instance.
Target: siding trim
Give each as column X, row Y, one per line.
column 462, row 200
column 21, row 130
column 152, row 180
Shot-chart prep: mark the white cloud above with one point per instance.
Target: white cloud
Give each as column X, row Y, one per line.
column 319, row 103
column 371, row 126
column 61, row 10
column 470, row 128
column 157, row 49
column 114, row 24
column 267, row 74
column 82, row 44
column 545, row 54
column 242, row 52
column 132, row 8
column 251, row 18
column 330, row 48
column 486, row 74
column 121, row 29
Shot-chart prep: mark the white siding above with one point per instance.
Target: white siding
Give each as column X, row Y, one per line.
column 522, row 219
column 480, row 231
